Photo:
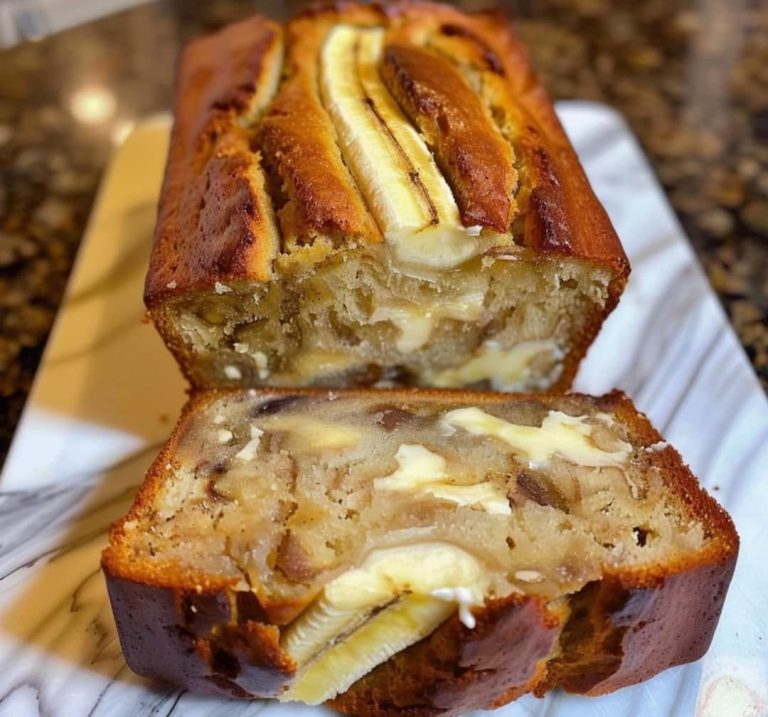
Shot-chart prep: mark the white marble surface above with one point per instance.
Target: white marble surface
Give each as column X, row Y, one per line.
column 107, row 393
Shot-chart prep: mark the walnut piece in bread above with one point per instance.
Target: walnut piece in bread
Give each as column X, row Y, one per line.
column 419, row 552
column 375, row 194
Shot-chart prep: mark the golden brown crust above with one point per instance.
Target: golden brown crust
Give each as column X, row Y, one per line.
column 615, row 632
column 478, row 164
column 120, row 564
column 202, row 640
column 215, row 218
column 631, row 633
column 521, row 104
column 558, row 212
column 298, row 142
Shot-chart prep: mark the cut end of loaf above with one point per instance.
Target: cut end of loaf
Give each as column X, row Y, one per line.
column 507, row 322
column 363, row 523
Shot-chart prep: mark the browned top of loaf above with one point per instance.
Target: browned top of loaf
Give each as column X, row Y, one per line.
column 255, row 172
column 119, row 561
column 451, row 117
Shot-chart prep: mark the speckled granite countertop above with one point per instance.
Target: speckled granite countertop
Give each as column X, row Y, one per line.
column 692, row 80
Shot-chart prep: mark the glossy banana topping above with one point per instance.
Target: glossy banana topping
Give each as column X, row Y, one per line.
column 406, row 193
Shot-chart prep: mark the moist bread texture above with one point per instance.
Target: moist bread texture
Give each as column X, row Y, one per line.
column 375, row 194
column 415, row 552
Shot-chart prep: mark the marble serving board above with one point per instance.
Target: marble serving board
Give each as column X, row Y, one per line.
column 107, row 394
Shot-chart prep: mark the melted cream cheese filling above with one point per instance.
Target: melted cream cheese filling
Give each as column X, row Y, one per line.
column 505, row 369
column 416, row 323
column 559, row 434
column 422, row 471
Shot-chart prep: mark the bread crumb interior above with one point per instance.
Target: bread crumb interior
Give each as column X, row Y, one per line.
column 285, row 494
column 356, row 321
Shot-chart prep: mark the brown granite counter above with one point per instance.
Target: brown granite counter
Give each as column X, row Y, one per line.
column 690, row 77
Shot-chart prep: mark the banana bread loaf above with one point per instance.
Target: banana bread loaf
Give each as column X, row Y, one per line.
column 375, row 194
column 415, row 552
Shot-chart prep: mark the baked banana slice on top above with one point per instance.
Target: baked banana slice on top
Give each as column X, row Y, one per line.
column 413, row 552
column 375, row 194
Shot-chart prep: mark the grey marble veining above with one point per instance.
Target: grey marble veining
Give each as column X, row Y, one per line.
column 107, row 393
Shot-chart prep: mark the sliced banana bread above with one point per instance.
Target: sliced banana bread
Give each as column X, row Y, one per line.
column 420, row 553
column 375, row 194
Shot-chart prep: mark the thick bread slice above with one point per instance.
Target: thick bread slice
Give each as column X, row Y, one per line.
column 416, row 552
column 375, row 193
